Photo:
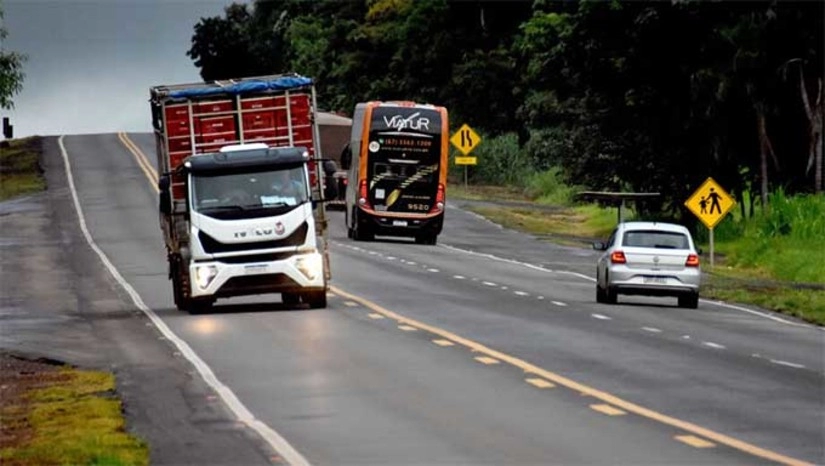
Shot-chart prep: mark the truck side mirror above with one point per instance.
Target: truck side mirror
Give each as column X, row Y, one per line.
column 346, row 157
column 165, row 198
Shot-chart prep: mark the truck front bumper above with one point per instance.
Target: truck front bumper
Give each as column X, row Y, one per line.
column 298, row 273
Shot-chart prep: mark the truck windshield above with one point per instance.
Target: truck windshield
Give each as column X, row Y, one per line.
column 249, row 194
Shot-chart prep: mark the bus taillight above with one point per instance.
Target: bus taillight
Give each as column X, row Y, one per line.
column 362, row 194
column 439, row 199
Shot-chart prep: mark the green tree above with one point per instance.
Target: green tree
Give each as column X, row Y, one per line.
column 11, row 70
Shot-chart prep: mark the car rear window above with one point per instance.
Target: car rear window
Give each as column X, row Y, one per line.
column 656, row 239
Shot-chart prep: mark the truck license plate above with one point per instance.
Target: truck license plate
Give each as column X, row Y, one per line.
column 255, row 269
column 399, row 223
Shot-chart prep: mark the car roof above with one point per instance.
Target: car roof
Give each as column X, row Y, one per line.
column 661, row 226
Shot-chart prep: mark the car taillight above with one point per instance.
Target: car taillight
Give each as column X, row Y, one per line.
column 362, row 194
column 439, row 199
column 692, row 261
column 618, row 257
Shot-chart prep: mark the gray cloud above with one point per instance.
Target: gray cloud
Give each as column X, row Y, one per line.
column 91, row 62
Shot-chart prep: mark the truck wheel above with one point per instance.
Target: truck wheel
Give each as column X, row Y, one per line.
column 200, row 305
column 316, row 299
column 290, row 299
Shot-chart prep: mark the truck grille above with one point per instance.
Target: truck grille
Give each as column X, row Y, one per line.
column 213, row 246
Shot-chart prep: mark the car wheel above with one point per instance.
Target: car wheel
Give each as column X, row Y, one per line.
column 690, row 301
column 601, row 297
column 611, row 296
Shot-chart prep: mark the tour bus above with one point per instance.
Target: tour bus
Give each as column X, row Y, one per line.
column 397, row 171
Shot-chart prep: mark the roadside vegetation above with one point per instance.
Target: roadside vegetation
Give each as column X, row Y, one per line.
column 20, row 171
column 773, row 259
column 54, row 414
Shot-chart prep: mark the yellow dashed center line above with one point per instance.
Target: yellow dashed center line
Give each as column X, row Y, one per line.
column 607, row 409
column 582, row 388
column 443, row 342
column 540, row 383
column 695, row 441
column 495, row 356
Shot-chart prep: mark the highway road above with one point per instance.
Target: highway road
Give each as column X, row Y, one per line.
column 486, row 349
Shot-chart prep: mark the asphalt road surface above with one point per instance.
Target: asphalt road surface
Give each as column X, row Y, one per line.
column 486, row 349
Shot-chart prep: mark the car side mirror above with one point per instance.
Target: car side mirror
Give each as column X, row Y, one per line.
column 599, row 246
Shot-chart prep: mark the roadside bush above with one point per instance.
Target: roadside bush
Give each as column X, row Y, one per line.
column 549, row 187
column 500, row 162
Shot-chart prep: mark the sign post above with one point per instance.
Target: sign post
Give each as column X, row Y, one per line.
column 710, row 203
column 465, row 140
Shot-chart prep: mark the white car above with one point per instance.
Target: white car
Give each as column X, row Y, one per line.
column 649, row 258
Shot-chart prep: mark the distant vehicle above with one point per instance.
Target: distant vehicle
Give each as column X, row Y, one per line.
column 397, row 171
column 240, row 190
column 649, row 258
column 334, row 133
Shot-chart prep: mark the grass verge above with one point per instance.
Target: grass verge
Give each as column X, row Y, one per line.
column 62, row 415
column 20, row 172
column 755, row 263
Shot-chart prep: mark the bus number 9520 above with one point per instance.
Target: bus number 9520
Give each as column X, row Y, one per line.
column 418, row 207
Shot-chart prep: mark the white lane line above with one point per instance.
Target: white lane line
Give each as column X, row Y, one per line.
column 505, row 287
column 390, row 258
column 651, row 330
column 601, row 317
column 521, row 293
column 411, row 263
column 787, row 364
column 489, row 283
column 433, row 270
column 591, row 279
column 540, row 297
column 557, row 303
column 713, row 345
column 685, row 337
column 290, row 454
column 512, row 261
column 459, row 277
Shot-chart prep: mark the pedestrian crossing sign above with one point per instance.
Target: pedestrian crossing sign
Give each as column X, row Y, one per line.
column 710, row 203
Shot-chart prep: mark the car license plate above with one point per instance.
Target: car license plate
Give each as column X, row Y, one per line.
column 655, row 280
column 399, row 223
column 255, row 269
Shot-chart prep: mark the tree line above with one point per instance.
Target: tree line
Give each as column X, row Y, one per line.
column 621, row 96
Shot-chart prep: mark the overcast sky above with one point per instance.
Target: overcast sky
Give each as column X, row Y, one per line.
column 91, row 62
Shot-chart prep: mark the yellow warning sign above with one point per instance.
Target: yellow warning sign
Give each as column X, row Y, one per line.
column 710, row 203
column 466, row 160
column 465, row 139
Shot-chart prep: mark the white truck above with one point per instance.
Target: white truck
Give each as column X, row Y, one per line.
column 241, row 199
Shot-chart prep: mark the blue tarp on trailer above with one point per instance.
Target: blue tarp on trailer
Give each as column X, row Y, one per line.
column 280, row 84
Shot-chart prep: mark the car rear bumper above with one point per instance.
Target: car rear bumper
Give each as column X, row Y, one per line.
column 659, row 283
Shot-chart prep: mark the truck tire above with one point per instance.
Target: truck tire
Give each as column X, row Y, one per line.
column 316, row 299
column 290, row 299
column 200, row 305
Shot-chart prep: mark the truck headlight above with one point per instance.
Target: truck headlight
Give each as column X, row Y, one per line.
column 204, row 274
column 311, row 265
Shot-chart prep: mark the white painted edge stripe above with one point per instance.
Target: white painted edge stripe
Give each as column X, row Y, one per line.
column 277, row 442
column 591, row 279
column 515, row 262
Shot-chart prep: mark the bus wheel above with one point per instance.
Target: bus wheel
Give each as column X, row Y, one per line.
column 426, row 239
